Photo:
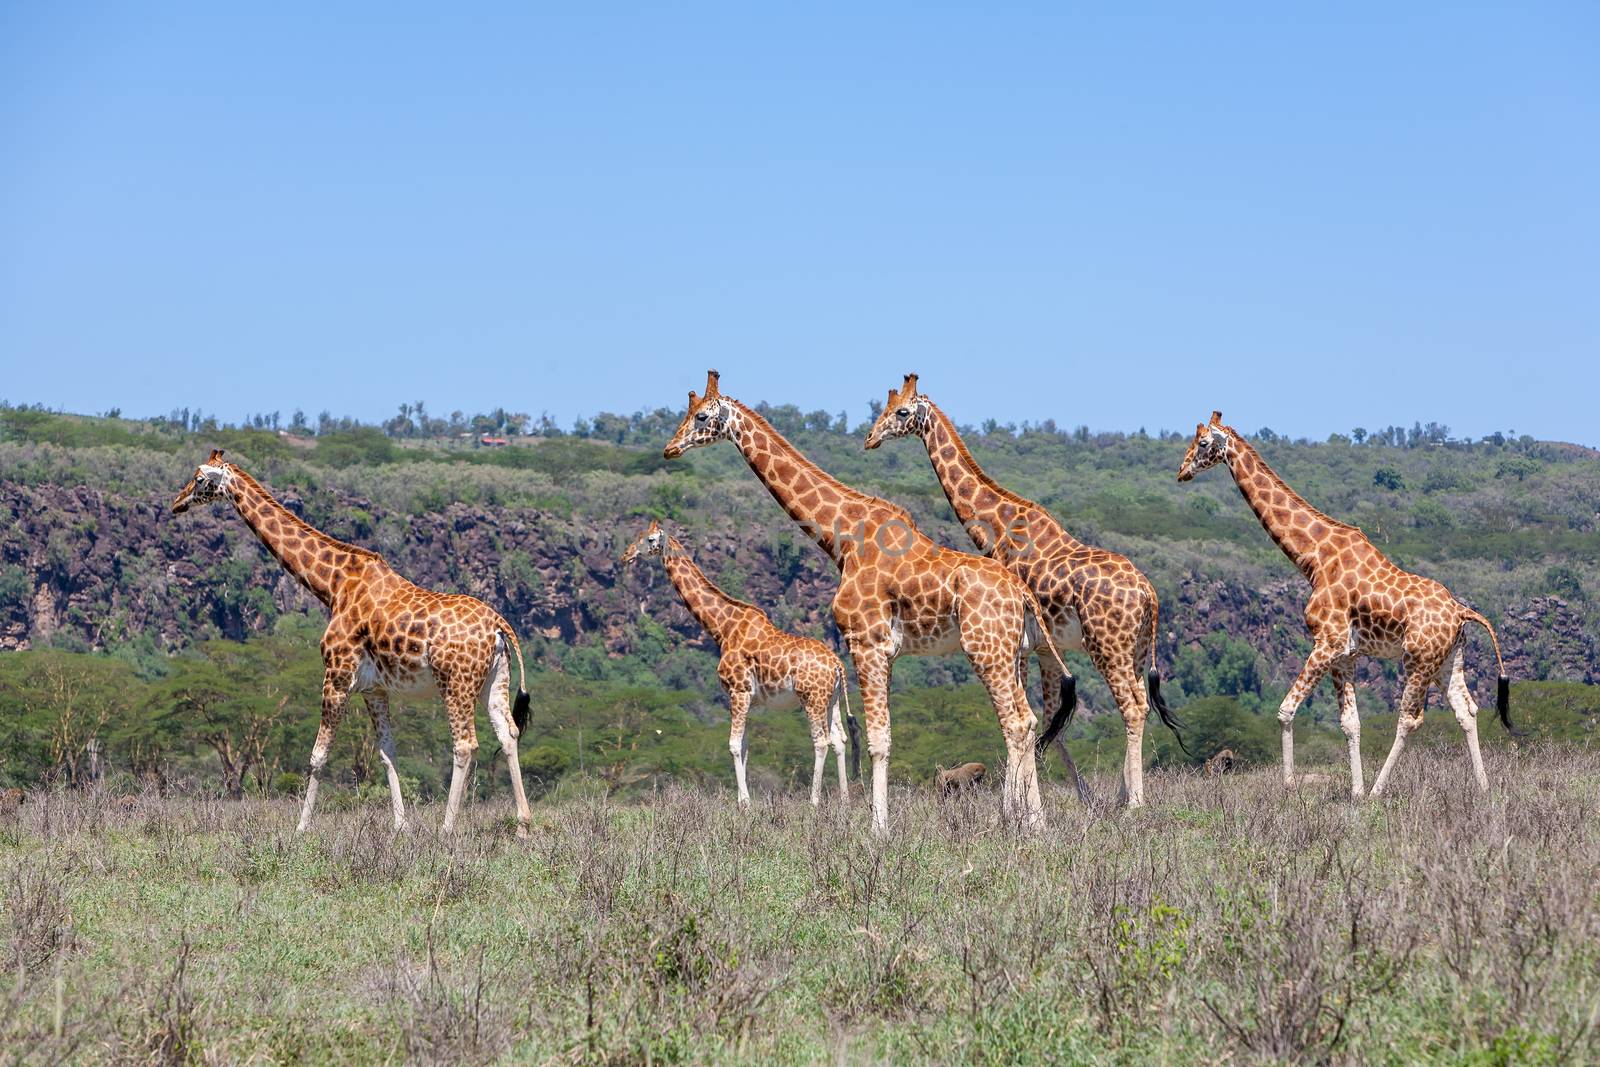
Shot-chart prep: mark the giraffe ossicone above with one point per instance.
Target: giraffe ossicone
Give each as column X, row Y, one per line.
column 761, row 665
column 1361, row 605
column 385, row 635
column 1092, row 599
column 913, row 597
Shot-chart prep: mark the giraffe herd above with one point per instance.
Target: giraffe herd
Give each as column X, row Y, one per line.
column 1034, row 590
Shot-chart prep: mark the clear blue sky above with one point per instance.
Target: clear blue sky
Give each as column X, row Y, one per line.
column 1313, row 217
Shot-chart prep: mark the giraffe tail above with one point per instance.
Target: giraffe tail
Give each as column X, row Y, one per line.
column 1502, row 695
column 1069, row 684
column 519, row 709
column 1152, row 683
column 851, row 726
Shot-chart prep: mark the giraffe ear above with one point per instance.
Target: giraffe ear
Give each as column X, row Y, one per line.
column 711, row 384
column 216, row 456
column 1216, row 418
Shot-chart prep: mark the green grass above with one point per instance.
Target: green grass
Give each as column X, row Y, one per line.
column 1230, row 922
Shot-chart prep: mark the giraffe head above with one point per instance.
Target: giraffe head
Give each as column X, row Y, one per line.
column 904, row 414
column 710, row 418
column 1212, row 442
column 210, row 482
column 650, row 543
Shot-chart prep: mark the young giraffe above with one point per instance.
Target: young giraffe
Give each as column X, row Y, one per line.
column 1093, row 600
column 1361, row 605
column 899, row 593
column 384, row 636
column 761, row 666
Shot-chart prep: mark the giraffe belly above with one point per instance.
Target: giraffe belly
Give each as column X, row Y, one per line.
column 776, row 699
column 942, row 641
column 1068, row 633
column 405, row 678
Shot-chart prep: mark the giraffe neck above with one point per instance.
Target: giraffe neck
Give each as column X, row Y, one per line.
column 981, row 503
column 1295, row 525
column 317, row 561
column 716, row 610
column 832, row 514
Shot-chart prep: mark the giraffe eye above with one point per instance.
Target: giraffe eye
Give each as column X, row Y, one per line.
column 700, row 416
column 903, row 412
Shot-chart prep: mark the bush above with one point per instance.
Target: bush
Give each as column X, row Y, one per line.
column 1388, row 478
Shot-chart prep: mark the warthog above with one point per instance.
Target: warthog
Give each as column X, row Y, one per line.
column 957, row 779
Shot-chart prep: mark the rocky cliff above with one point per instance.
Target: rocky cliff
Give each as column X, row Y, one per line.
column 80, row 566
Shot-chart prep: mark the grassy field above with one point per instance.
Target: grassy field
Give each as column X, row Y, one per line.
column 1231, row 922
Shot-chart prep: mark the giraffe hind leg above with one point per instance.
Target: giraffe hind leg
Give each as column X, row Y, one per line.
column 502, row 716
column 461, row 704
column 1413, row 697
column 378, row 707
column 1453, row 680
column 1057, row 710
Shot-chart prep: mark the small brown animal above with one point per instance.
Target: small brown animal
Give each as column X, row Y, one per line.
column 1221, row 763
column 10, row 800
column 958, row 779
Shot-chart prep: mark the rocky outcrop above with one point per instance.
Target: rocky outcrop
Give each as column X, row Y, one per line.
column 98, row 569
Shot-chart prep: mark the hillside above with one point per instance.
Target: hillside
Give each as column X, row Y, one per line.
column 91, row 560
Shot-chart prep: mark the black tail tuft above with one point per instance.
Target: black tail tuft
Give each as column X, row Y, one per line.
column 1502, row 704
column 519, row 711
column 853, row 728
column 1069, row 704
column 1152, row 682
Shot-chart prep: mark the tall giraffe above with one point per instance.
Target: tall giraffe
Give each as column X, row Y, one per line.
column 1361, row 605
column 1093, row 600
column 899, row 593
column 384, row 636
column 761, row 666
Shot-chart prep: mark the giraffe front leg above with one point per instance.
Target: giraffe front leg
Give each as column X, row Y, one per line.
column 1413, row 698
column 873, row 669
column 338, row 676
column 1322, row 656
column 1343, row 675
column 461, row 704
column 738, row 743
column 378, row 707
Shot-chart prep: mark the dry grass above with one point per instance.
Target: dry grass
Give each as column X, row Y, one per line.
column 1231, row 922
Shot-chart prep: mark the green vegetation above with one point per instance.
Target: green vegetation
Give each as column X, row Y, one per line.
column 240, row 716
column 1232, row 922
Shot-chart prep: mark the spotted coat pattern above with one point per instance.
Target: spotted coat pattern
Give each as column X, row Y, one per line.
column 1361, row 605
column 385, row 636
column 1093, row 599
column 761, row 665
column 899, row 594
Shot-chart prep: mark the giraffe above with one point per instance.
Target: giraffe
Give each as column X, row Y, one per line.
column 385, row 636
column 1093, row 600
column 761, row 665
column 1361, row 605
column 899, row 593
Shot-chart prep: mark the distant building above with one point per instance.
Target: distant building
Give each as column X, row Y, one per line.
column 492, row 442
